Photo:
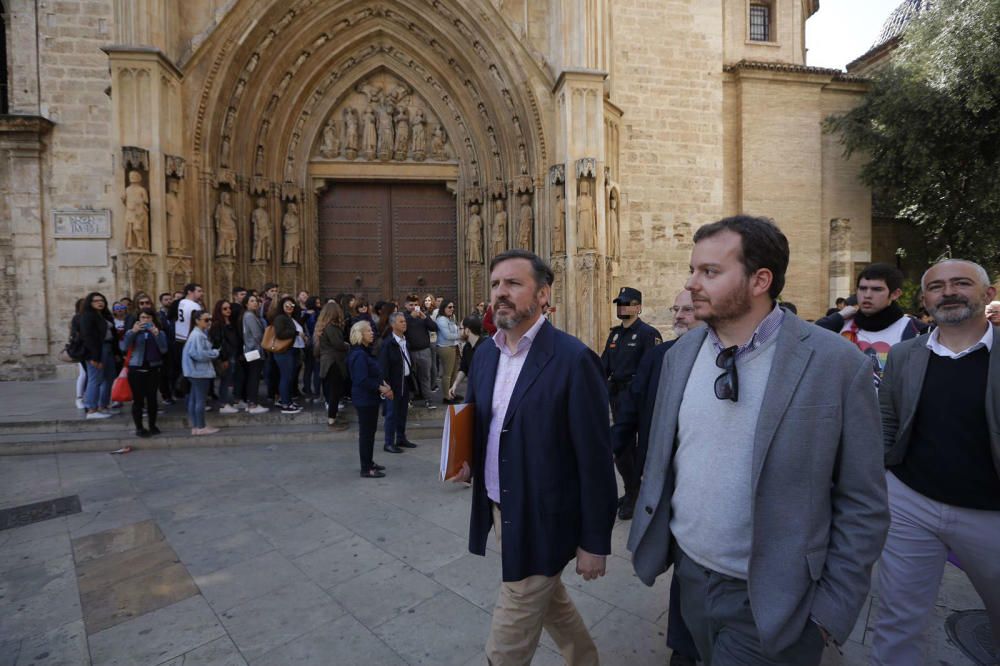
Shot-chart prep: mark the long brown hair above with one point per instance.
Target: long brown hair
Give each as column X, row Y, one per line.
column 331, row 313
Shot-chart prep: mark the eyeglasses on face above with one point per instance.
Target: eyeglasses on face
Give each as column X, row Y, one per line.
column 727, row 385
column 206, row 319
column 686, row 308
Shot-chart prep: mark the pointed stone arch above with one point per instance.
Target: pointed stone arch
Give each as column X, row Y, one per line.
column 265, row 81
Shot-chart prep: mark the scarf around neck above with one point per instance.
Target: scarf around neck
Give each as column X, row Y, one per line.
column 880, row 320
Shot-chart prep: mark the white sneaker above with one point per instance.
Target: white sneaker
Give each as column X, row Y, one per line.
column 98, row 415
column 79, row 404
column 240, row 405
column 229, row 409
column 258, row 409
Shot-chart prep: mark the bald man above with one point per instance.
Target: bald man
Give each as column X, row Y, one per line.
column 993, row 312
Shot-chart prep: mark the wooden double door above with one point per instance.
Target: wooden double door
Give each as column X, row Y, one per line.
column 384, row 240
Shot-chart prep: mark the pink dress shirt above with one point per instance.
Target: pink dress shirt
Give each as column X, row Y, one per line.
column 508, row 370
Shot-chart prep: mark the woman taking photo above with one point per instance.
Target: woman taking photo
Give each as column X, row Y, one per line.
column 196, row 362
column 253, row 332
column 97, row 330
column 367, row 390
column 447, row 343
column 225, row 335
column 145, row 346
column 331, row 350
column 284, row 316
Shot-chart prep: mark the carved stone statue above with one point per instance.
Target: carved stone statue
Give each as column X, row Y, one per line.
column 613, row 225
column 350, row 133
column 174, row 209
column 522, row 158
column 586, row 220
column 499, row 227
column 525, row 222
column 559, row 223
column 402, row 134
column 439, row 141
column 474, row 237
column 384, row 111
column 290, row 169
column 261, row 223
column 370, row 143
column 291, row 228
column 225, row 227
column 331, row 142
column 419, row 128
column 224, row 152
column 258, row 162
column 136, row 201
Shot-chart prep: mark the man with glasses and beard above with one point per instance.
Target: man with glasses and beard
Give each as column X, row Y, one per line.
column 764, row 476
column 940, row 399
column 542, row 469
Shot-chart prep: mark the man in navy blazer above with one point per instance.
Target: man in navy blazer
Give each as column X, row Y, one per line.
column 542, row 470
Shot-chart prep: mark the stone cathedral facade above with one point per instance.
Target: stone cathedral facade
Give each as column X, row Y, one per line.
column 387, row 146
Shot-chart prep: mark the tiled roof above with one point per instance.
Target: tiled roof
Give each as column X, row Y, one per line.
column 835, row 74
column 899, row 19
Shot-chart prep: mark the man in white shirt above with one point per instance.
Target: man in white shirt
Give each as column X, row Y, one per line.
column 191, row 303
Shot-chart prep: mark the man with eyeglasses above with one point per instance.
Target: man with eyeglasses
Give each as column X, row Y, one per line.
column 625, row 347
column 764, row 475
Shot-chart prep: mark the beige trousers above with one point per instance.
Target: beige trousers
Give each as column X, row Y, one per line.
column 523, row 608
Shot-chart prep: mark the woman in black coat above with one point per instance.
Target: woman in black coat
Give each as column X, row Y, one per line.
column 97, row 330
column 331, row 352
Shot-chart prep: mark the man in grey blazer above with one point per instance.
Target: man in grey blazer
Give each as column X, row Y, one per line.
column 941, row 425
column 764, row 482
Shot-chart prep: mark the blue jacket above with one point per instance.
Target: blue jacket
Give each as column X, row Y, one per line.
column 557, row 475
column 139, row 353
column 447, row 332
column 196, row 361
column 365, row 377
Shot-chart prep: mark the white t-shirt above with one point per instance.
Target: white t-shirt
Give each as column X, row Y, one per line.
column 876, row 344
column 299, row 332
column 186, row 308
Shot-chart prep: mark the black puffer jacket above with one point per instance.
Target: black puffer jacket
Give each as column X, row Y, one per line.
column 93, row 332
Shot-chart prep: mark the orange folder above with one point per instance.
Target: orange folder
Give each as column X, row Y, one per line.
column 456, row 440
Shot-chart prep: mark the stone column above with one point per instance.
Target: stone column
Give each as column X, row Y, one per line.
column 25, row 333
column 841, row 278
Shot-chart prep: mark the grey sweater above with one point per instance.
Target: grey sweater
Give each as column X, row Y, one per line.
column 711, row 503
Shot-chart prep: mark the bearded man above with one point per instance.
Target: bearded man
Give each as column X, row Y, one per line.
column 941, row 428
column 764, row 476
column 542, row 470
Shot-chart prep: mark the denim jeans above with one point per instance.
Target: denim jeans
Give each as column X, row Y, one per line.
column 99, row 380
column 286, row 368
column 196, row 401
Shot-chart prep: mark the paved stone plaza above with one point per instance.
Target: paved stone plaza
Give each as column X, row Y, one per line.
column 278, row 553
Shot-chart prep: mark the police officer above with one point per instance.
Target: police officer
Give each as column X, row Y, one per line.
column 624, row 349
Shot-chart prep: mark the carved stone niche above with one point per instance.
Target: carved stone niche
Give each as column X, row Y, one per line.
column 173, row 204
column 382, row 119
column 135, row 163
column 557, row 178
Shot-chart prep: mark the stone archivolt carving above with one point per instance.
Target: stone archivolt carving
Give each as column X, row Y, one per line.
column 586, row 218
column 136, row 202
column 174, row 209
column 474, row 236
column 499, row 231
column 225, row 227
column 291, row 228
column 439, row 143
column 260, row 222
column 525, row 223
column 331, row 141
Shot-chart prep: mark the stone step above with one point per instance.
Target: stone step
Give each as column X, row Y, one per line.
column 85, row 440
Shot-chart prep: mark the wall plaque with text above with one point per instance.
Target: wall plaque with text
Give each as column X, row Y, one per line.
column 82, row 223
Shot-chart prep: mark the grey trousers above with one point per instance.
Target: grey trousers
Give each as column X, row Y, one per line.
column 909, row 573
column 422, row 370
column 716, row 608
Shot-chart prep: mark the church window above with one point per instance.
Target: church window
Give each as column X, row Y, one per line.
column 761, row 21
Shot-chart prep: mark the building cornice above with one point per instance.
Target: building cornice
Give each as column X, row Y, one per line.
column 21, row 124
column 789, row 68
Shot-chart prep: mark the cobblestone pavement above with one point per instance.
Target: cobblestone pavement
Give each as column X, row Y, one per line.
column 281, row 554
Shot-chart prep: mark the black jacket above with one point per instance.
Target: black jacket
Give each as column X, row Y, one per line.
column 284, row 327
column 392, row 363
column 93, row 331
column 418, row 332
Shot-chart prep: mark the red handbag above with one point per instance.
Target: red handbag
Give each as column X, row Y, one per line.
column 121, row 391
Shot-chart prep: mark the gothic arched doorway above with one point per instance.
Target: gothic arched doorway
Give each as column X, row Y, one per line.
column 385, row 239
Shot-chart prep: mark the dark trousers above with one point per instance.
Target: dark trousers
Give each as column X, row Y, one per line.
column 252, row 384
column 181, row 385
column 717, row 610
column 624, row 441
column 310, row 371
column 395, row 416
column 679, row 638
column 167, row 376
column 333, row 391
column 367, row 423
column 272, row 376
column 144, row 384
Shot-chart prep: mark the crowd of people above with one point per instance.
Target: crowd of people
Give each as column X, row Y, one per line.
column 263, row 350
column 763, row 456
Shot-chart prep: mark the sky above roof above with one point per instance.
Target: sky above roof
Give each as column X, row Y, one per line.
column 842, row 30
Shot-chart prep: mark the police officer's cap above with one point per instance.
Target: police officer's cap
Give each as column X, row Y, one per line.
column 627, row 295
